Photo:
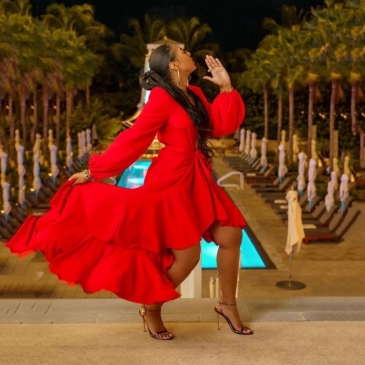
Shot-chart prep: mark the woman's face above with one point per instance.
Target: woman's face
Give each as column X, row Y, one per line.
column 184, row 61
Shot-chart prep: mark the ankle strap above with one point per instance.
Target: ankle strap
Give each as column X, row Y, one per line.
column 231, row 305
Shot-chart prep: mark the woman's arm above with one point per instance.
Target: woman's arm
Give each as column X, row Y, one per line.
column 226, row 112
column 132, row 143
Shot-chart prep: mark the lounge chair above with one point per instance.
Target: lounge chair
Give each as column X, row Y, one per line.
column 333, row 236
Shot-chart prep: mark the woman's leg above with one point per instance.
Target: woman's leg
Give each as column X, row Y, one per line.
column 229, row 240
column 184, row 262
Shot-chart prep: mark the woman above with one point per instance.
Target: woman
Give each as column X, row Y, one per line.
column 142, row 243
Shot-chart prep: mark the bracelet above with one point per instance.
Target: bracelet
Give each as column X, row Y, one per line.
column 89, row 178
column 226, row 90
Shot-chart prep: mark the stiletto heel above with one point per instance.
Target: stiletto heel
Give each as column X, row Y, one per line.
column 238, row 332
column 142, row 312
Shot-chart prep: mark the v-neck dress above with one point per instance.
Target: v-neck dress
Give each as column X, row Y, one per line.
column 106, row 237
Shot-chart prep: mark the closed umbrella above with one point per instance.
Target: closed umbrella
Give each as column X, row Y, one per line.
column 94, row 134
column 83, row 143
column 335, row 167
column 69, row 153
column 283, row 138
column 314, row 153
column 344, row 190
column 6, row 205
column 253, row 151
column 329, row 200
column 241, row 147
column 79, row 139
column 294, row 238
column 334, row 178
column 263, row 153
column 4, row 160
column 36, row 179
column 50, row 138
column 282, row 170
column 89, row 146
column 301, row 172
column 248, row 143
column 346, row 167
column 54, row 168
column 295, row 148
column 311, row 189
column 21, row 173
column 17, row 138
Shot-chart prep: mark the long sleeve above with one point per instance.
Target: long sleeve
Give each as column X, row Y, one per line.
column 132, row 143
column 226, row 112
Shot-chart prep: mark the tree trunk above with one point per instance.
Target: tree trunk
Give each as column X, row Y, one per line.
column 291, row 124
column 45, row 96
column 362, row 162
column 22, row 113
column 11, row 117
column 280, row 121
column 58, row 119
column 87, row 94
column 35, row 115
column 266, row 112
column 353, row 108
column 310, row 118
column 69, row 105
column 332, row 121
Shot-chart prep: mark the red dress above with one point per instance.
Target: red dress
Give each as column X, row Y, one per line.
column 105, row 237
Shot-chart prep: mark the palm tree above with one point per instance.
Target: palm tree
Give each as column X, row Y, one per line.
column 134, row 47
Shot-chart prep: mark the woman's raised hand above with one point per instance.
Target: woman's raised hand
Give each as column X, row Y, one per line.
column 79, row 178
column 220, row 76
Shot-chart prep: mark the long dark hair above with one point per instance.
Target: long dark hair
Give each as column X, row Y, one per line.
column 159, row 75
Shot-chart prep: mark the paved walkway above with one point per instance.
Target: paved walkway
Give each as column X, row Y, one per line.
column 42, row 320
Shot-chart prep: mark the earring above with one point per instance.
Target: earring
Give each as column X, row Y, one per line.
column 189, row 78
column 178, row 76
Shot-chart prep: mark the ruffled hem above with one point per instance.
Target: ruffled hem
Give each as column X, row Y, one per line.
column 105, row 237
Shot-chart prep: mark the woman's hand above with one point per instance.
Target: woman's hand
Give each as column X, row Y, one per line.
column 79, row 178
column 220, row 76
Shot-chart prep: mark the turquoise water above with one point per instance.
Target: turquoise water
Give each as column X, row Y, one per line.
column 133, row 177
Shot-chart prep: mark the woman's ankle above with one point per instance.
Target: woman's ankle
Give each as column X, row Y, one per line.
column 228, row 301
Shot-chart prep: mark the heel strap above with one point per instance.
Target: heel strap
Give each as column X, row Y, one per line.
column 231, row 305
column 145, row 309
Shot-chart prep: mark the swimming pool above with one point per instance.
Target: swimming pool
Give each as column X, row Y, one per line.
column 133, row 177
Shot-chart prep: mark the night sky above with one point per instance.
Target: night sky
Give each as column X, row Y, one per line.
column 235, row 23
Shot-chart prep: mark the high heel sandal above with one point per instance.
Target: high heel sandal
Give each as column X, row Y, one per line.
column 239, row 332
column 142, row 312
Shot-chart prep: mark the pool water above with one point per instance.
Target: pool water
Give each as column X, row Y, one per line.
column 133, row 177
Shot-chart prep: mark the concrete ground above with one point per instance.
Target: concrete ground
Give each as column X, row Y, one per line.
column 42, row 320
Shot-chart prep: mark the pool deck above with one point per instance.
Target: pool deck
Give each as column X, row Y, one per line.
column 43, row 321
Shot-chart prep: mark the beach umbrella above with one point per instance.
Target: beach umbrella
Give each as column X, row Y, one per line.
column 36, row 179
column 253, row 152
column 54, row 168
column 346, row 167
column 3, row 165
column 94, row 134
column 69, row 153
column 295, row 226
column 50, row 138
column 335, row 167
column 79, row 140
column 263, row 153
column 314, row 154
column 83, row 143
column 89, row 146
column 344, row 190
column 302, row 157
column 282, row 170
column 283, row 138
column 6, row 205
column 311, row 188
column 331, row 188
column 241, row 147
column 248, row 142
column 295, row 148
column 21, row 173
